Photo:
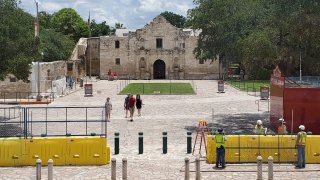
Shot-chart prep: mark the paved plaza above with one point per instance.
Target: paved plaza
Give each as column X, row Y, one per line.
column 176, row 114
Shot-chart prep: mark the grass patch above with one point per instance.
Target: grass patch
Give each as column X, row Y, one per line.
column 161, row 88
column 248, row 85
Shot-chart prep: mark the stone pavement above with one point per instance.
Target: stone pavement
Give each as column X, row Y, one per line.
column 175, row 114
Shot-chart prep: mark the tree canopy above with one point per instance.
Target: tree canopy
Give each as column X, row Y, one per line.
column 18, row 46
column 259, row 34
column 175, row 19
column 58, row 34
column 69, row 22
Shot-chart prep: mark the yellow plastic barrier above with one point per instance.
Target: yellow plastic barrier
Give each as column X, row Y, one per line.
column 246, row 148
column 11, row 151
column 63, row 151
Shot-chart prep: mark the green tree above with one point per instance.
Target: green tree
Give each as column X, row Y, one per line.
column 18, row 46
column 56, row 46
column 45, row 20
column 259, row 34
column 69, row 22
column 175, row 19
column 119, row 26
column 101, row 29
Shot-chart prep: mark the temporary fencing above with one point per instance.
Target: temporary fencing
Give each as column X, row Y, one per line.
column 246, row 148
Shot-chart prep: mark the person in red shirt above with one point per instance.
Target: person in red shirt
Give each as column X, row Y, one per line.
column 132, row 102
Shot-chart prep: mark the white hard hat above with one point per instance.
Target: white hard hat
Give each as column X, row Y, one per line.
column 259, row 122
column 302, row 127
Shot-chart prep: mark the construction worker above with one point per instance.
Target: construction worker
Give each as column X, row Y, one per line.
column 220, row 139
column 258, row 129
column 282, row 129
column 301, row 145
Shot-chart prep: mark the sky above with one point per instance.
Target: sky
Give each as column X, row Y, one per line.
column 133, row 14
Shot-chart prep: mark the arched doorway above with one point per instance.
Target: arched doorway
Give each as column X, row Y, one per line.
column 159, row 69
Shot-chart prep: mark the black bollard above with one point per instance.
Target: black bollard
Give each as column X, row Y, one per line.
column 140, row 142
column 164, row 142
column 116, row 143
column 189, row 141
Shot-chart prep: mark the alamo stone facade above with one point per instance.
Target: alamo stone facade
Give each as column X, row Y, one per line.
column 157, row 51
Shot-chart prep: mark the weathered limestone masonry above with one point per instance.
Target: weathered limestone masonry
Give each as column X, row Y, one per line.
column 52, row 75
column 157, row 51
column 11, row 84
column 93, row 56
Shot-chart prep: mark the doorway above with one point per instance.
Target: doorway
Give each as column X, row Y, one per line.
column 159, row 69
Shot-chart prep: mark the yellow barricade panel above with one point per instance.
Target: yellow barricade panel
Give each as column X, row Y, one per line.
column 86, row 151
column 232, row 149
column 34, row 150
column 11, row 150
column 211, row 149
column 62, row 150
column 55, row 149
column 246, row 148
column 269, row 146
column 288, row 152
column 313, row 149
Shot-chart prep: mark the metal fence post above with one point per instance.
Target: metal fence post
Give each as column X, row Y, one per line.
column 164, row 143
column 38, row 169
column 124, row 168
column 113, row 169
column 116, row 143
column 187, row 171
column 189, row 142
column 198, row 168
column 259, row 162
column 270, row 168
column 50, row 169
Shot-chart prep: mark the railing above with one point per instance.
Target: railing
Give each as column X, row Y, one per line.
column 11, row 122
column 55, row 121
column 15, row 97
column 305, row 80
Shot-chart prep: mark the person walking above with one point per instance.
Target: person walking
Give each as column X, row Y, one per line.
column 132, row 102
column 220, row 140
column 126, row 104
column 108, row 108
column 138, row 104
column 301, row 145
column 282, row 129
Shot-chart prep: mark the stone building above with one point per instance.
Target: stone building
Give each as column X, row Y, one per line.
column 157, row 51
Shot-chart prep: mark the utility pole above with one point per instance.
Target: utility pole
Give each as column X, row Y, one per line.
column 37, row 35
column 89, row 44
column 300, row 61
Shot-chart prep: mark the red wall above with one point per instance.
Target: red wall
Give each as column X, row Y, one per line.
column 305, row 103
column 276, row 100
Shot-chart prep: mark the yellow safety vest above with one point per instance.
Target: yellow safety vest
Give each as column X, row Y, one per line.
column 302, row 138
column 219, row 140
column 258, row 130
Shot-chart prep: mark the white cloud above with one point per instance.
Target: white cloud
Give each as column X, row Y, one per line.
column 132, row 13
column 50, row 6
column 150, row 5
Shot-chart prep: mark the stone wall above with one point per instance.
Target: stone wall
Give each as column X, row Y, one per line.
column 93, row 56
column 137, row 53
column 13, row 88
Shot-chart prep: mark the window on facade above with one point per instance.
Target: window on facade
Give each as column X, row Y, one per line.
column 117, row 44
column 13, row 79
column 183, row 45
column 159, row 42
column 117, row 61
column 201, row 61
